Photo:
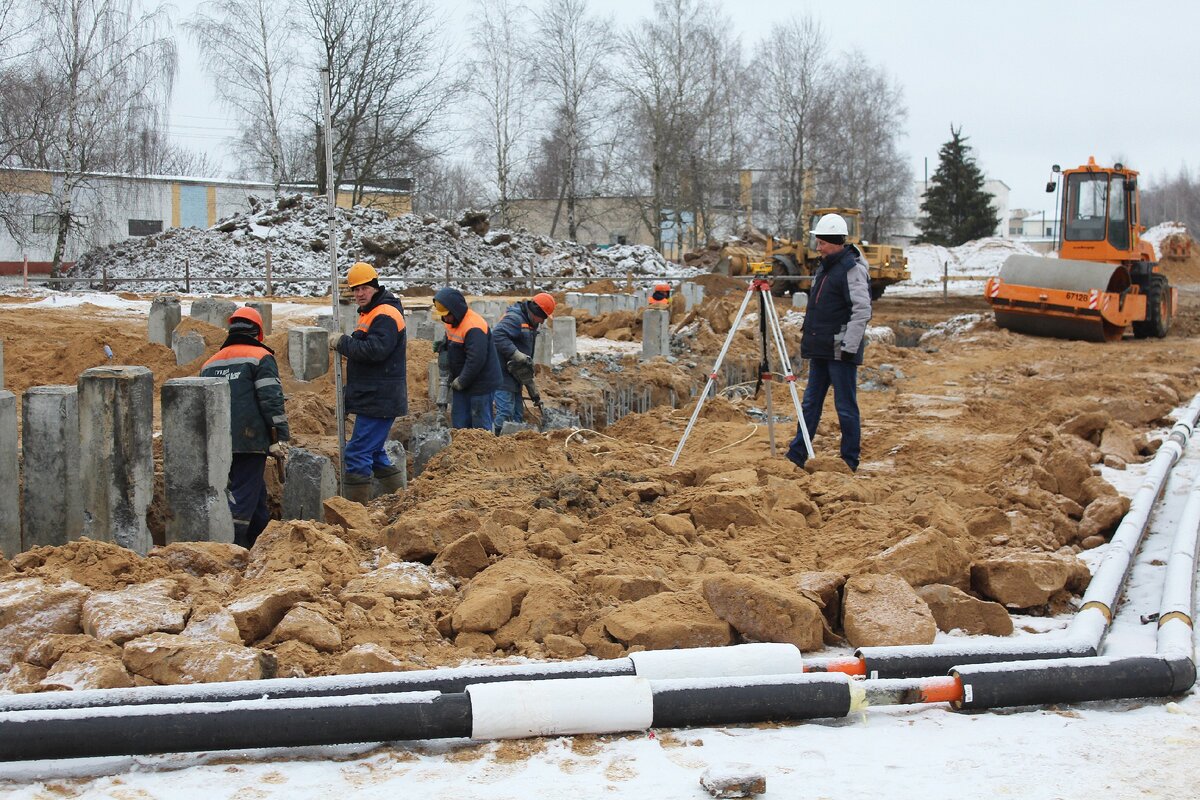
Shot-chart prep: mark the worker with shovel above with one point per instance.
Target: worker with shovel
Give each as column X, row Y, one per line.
column 514, row 336
column 259, row 424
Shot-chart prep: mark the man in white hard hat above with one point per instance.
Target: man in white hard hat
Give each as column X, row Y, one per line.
column 835, row 324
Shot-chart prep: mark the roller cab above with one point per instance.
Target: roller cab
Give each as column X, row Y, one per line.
column 1104, row 283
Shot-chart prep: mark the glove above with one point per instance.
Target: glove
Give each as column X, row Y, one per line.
column 519, row 358
column 849, row 355
column 278, row 450
column 536, row 397
column 456, row 385
column 334, row 341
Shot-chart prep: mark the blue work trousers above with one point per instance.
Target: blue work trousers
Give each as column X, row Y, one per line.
column 843, row 377
column 247, row 492
column 364, row 451
column 508, row 408
column 471, row 410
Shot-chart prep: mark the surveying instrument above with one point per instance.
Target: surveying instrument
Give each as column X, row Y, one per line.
column 768, row 323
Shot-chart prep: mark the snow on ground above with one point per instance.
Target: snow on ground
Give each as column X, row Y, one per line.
column 1161, row 231
column 1143, row 748
column 968, row 265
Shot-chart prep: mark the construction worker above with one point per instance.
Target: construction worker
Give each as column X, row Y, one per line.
column 474, row 366
column 258, row 422
column 661, row 297
column 833, row 341
column 514, row 336
column 376, row 390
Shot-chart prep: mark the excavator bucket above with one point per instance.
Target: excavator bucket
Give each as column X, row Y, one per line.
column 1088, row 300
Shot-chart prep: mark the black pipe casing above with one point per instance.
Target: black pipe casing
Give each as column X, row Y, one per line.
column 930, row 661
column 686, row 706
column 1071, row 681
column 191, row 727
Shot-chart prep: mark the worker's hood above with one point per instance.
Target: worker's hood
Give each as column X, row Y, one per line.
column 454, row 302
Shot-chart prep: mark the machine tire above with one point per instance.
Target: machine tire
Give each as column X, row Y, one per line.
column 1158, row 311
column 877, row 289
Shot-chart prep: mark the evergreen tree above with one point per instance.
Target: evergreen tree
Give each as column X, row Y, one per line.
column 956, row 209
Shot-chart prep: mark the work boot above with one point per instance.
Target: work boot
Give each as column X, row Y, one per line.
column 357, row 487
column 390, row 479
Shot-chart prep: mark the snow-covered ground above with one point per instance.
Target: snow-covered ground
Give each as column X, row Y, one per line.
column 1142, row 748
column 968, row 266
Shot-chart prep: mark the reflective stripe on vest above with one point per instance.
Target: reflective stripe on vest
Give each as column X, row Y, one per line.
column 365, row 320
column 471, row 320
column 236, row 354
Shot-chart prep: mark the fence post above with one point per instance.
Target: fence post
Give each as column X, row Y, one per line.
column 187, row 275
column 945, row 281
column 104, row 278
column 269, row 291
column 25, row 272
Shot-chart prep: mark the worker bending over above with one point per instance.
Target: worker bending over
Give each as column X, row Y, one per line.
column 474, row 366
column 835, row 326
column 661, row 296
column 258, row 422
column 514, row 336
column 376, row 390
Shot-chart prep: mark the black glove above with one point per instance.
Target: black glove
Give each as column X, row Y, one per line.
column 519, row 358
column 456, row 385
column 849, row 355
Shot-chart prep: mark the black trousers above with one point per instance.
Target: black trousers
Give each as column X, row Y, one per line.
column 248, row 497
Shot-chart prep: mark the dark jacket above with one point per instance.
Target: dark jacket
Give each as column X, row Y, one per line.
column 376, row 360
column 839, row 307
column 515, row 331
column 255, row 393
column 469, row 349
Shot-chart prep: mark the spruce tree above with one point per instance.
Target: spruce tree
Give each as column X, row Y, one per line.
column 956, row 209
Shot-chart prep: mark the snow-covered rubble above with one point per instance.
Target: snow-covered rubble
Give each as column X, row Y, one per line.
column 1156, row 235
column 407, row 249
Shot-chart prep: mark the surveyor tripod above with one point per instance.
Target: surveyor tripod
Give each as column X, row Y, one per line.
column 769, row 328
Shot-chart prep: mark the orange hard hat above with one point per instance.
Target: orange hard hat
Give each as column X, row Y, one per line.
column 250, row 315
column 361, row 272
column 545, row 301
column 662, row 287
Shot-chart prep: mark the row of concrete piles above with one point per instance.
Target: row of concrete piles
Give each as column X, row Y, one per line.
column 88, row 459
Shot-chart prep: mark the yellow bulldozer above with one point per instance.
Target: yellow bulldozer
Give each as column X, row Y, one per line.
column 797, row 260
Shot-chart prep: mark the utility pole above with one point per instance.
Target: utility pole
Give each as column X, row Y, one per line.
column 331, row 203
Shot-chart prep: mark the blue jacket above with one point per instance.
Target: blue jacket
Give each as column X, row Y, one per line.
column 839, row 307
column 255, row 393
column 469, row 349
column 376, row 360
column 515, row 331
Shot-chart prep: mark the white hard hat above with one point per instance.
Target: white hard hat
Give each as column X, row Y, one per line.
column 830, row 225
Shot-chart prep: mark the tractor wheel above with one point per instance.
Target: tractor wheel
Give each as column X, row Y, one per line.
column 877, row 289
column 1158, row 310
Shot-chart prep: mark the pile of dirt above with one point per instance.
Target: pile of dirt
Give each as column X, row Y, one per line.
column 407, row 250
column 980, row 461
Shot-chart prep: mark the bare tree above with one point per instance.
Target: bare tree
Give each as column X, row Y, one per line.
column 871, row 173
column 112, row 70
column 1172, row 200
column 674, row 81
column 445, row 189
column 796, row 95
column 389, row 84
column 249, row 51
column 499, row 78
column 572, row 48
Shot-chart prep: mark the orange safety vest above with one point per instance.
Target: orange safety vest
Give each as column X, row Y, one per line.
column 470, row 321
column 387, row 310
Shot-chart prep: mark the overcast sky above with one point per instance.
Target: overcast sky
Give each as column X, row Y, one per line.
column 1031, row 82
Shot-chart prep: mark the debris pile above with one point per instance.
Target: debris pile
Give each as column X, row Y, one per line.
column 408, row 250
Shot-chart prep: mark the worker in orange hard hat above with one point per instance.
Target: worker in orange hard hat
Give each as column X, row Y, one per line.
column 514, row 336
column 661, row 296
column 258, row 422
column 376, row 390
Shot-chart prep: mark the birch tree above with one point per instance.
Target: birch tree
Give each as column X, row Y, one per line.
column 112, row 68
column 572, row 48
column 499, row 79
column 249, row 51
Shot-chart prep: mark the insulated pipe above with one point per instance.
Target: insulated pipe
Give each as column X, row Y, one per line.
column 1086, row 633
column 680, row 704
column 245, row 724
column 1071, row 681
column 740, row 660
